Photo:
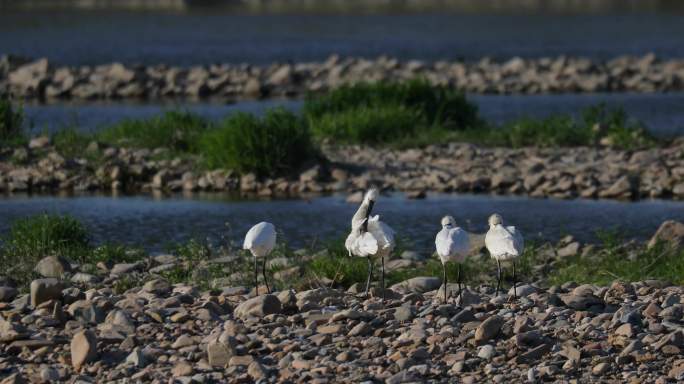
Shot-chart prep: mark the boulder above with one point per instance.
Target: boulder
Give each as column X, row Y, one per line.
column 418, row 284
column 83, row 348
column 219, row 353
column 489, row 328
column 52, row 266
column 43, row 290
column 670, row 232
column 7, row 294
column 259, row 306
column 10, row 331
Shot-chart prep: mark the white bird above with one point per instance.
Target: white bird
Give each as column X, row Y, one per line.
column 260, row 240
column 370, row 237
column 452, row 244
column 503, row 244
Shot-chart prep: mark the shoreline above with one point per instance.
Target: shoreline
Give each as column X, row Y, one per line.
column 194, row 316
column 40, row 79
column 563, row 172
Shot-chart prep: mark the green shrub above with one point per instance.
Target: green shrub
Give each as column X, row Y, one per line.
column 70, row 142
column 387, row 112
column 11, row 120
column 276, row 144
column 596, row 125
column 369, row 125
column 175, row 130
column 114, row 253
column 616, row 126
column 36, row 237
column 439, row 105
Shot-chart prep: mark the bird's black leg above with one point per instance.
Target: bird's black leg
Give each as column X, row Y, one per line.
column 460, row 290
column 256, row 277
column 515, row 289
column 370, row 274
column 498, row 275
column 445, row 282
column 263, row 272
column 382, row 276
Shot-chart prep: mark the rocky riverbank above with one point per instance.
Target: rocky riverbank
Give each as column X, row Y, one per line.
column 587, row 172
column 43, row 80
column 90, row 328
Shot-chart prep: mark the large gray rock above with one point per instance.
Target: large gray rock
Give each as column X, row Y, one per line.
column 85, row 312
column 581, row 303
column 43, row 290
column 52, row 266
column 489, row 328
column 315, row 298
column 259, row 306
column 7, row 294
column 10, row 331
column 418, row 285
column 219, row 353
column 120, row 321
column 83, row 348
column 137, row 358
column 670, row 232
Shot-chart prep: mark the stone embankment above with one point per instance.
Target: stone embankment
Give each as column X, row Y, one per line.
column 42, row 80
column 587, row 172
column 87, row 325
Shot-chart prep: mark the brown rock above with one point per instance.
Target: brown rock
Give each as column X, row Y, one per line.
column 488, row 329
column 83, row 348
column 670, row 232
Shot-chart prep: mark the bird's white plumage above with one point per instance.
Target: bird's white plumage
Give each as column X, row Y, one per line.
column 260, row 239
column 382, row 235
column 452, row 244
column 358, row 242
column 504, row 243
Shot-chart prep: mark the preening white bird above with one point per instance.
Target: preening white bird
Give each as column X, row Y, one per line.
column 260, row 241
column 452, row 244
column 503, row 244
column 370, row 237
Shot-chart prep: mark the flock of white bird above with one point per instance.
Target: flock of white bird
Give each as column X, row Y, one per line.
column 371, row 238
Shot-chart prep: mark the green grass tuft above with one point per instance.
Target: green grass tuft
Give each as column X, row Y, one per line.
column 440, row 105
column 387, row 112
column 70, row 142
column 596, row 125
column 276, row 144
column 36, row 237
column 11, row 119
column 369, row 125
column 176, row 130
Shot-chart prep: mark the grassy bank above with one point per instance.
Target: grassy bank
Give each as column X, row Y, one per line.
column 31, row 239
column 410, row 114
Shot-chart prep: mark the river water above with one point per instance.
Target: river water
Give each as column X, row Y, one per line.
column 79, row 37
column 157, row 222
column 663, row 114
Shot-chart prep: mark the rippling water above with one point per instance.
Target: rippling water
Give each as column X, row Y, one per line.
column 156, row 223
column 208, row 36
column 662, row 113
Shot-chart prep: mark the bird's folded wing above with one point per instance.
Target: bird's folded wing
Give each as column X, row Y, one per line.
column 366, row 244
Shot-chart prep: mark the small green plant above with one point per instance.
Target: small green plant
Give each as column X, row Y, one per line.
column 276, row 144
column 387, row 112
column 11, row 119
column 176, row 130
column 36, row 237
column 369, row 125
column 597, row 125
column 70, row 142
column 114, row 253
column 439, row 105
